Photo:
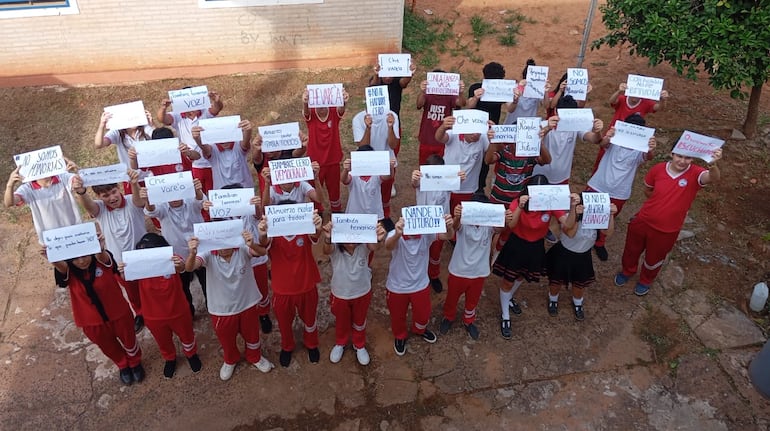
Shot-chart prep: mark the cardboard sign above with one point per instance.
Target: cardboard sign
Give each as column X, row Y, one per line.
column 575, row 120
column 498, row 90
column 439, row 178
column 290, row 170
column 71, row 241
column 218, row 235
column 170, row 187
column 354, row 228
column 288, row 220
column 43, row 163
column 443, row 83
column 577, row 83
column 110, row 174
column 377, row 101
column 528, row 136
column 148, row 262
column 158, row 152
column 504, row 134
column 422, row 219
column 694, row 145
column 231, row 203
column 280, row 137
column 483, row 214
column 644, row 87
column 596, row 210
column 126, row 115
column 536, row 79
column 470, row 121
column 373, row 163
column 325, row 95
column 631, row 136
column 220, row 130
column 547, row 198
column 395, row 65
column 190, row 99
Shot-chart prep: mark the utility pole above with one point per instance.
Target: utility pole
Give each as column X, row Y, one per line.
column 586, row 33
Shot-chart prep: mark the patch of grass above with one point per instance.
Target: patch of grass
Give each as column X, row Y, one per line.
column 511, row 35
column 711, row 353
column 481, row 27
column 599, row 63
column 659, row 331
column 422, row 36
column 515, row 16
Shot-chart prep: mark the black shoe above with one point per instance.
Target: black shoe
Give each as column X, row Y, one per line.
column 435, row 283
column 429, row 336
column 314, row 355
column 579, row 314
column 514, row 307
column 138, row 373
column 169, row 369
column 553, row 308
column 285, row 358
column 601, row 253
column 444, row 327
column 125, row 376
column 400, row 347
column 473, row 331
column 505, row 329
column 195, row 363
column 138, row 323
column 266, row 324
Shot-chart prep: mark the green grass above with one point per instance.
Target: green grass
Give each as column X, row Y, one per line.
column 511, row 35
column 481, row 27
column 425, row 38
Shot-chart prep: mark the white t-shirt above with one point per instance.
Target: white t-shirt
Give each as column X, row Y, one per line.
column 470, row 258
column 527, row 107
column 408, row 270
column 230, row 286
column 53, row 206
column 122, row 227
column 561, row 145
column 365, row 197
column 351, row 275
column 177, row 223
column 378, row 136
column 251, row 224
column 470, row 157
column 128, row 142
column 298, row 194
column 230, row 166
column 183, row 128
column 583, row 240
column 616, row 172
column 433, row 198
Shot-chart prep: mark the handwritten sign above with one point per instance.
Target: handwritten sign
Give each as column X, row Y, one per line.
column 644, row 87
column 325, row 95
column 190, row 99
column 218, row 235
column 43, row 163
column 528, row 136
column 288, row 220
column 631, row 136
column 354, row 228
column 231, row 202
column 504, row 134
column 158, row 152
column 483, row 214
column 110, row 174
column 148, row 262
column 71, row 241
column 443, row 83
column 279, row 137
column 170, row 187
column 694, row 145
column 290, row 170
column 547, row 198
column 422, row 219
column 219, row 130
column 126, row 115
column 439, row 178
column 377, row 101
column 363, row 163
column 395, row 65
column 596, row 210
column 470, row 121
column 498, row 90
column 575, row 120
column 536, row 79
column 577, row 83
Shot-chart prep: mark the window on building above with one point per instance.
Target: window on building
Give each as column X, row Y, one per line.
column 29, row 8
column 247, row 3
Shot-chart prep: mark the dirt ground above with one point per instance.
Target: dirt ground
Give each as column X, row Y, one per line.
column 634, row 363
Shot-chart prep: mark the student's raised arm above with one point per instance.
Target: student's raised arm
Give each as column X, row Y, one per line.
column 450, row 228
column 192, row 263
column 10, row 198
column 205, row 148
column 441, row 132
column 392, row 240
column 247, row 128
column 713, row 174
column 83, row 198
column 163, row 116
column 216, row 103
column 99, row 140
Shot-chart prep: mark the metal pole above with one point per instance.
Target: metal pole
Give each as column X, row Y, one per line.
column 586, row 32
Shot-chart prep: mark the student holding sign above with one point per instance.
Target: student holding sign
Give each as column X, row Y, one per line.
column 300, row 191
column 396, row 86
column 260, row 160
column 365, row 192
column 492, row 70
column 434, row 108
column 123, row 139
column 671, row 188
column 229, row 164
column 381, row 133
column 561, row 90
column 523, row 106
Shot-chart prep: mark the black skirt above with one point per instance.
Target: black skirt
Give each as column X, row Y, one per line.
column 566, row 266
column 520, row 258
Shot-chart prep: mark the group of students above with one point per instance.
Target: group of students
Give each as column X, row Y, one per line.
column 238, row 299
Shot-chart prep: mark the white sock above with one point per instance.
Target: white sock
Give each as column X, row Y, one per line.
column 516, row 285
column 505, row 297
column 577, row 301
column 553, row 298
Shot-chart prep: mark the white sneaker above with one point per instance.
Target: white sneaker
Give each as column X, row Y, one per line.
column 264, row 365
column 393, row 191
column 226, row 371
column 336, row 354
column 363, row 356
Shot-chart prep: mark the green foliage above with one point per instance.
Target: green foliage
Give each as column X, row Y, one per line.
column 511, row 35
column 481, row 27
column 422, row 36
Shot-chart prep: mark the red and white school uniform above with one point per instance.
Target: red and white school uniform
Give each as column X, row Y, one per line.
column 364, row 196
column 229, row 166
column 441, row 199
column 378, row 139
column 201, row 168
column 468, row 268
column 325, row 147
column 469, row 156
column 124, row 142
column 166, row 313
column 258, row 267
column 351, row 294
column 300, row 193
column 561, row 145
column 53, row 206
column 622, row 111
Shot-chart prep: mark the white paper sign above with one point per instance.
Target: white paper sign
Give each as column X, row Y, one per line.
column 504, row 134
column 575, row 120
column 170, row 187
column 577, row 83
column 439, row 178
column 231, row 202
column 219, row 130
column 536, row 79
column 546, row 198
column 158, row 152
column 644, row 87
column 631, row 136
column 395, row 65
column 596, row 210
column 325, row 95
column 71, row 241
column 695, row 145
column 110, row 174
column 422, row 219
column 280, row 137
column 290, row 170
column 190, row 99
column 369, row 163
column 219, row 235
column 528, row 136
column 354, row 228
column 287, row 220
column 148, row 262
column 498, row 90
column 126, row 115
column 483, row 214
column 443, row 83
column 377, row 101
column 470, row 121
column 43, row 163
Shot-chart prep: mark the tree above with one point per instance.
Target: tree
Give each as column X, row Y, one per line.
column 728, row 39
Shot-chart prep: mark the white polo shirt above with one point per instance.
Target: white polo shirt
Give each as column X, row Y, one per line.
column 351, row 275
column 470, row 157
column 408, row 270
column 616, row 171
column 183, row 128
column 365, row 197
column 122, row 227
column 230, row 166
column 53, row 206
column 561, row 145
column 470, row 258
column 230, row 286
column 177, row 223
